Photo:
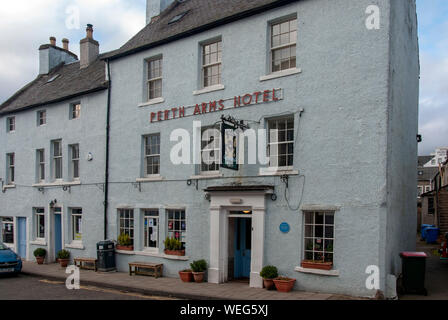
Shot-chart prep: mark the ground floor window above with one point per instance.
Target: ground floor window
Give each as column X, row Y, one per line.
column 177, row 225
column 77, row 224
column 151, row 229
column 126, row 225
column 319, row 236
column 40, row 223
column 7, row 225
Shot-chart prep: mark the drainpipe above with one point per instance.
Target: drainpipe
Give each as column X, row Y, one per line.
column 106, row 182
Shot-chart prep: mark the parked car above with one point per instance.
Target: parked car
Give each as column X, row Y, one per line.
column 10, row 262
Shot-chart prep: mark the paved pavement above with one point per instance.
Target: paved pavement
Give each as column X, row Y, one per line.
column 436, row 280
column 173, row 287
column 26, row 287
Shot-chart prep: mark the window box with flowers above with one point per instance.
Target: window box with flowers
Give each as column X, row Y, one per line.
column 319, row 240
column 173, row 247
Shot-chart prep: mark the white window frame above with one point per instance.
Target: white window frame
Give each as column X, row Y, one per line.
column 38, row 212
column 420, row 190
column 3, row 223
column 427, row 189
column 149, row 214
column 41, row 165
column 274, row 143
column 75, row 110
column 122, row 228
column 57, row 158
column 74, row 216
column 11, row 161
column 149, row 155
column 289, row 45
column 205, row 66
column 41, row 118
column 171, row 233
column 74, row 161
column 155, row 79
column 215, row 170
column 314, row 238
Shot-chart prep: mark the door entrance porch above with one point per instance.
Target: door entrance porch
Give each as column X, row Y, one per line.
column 249, row 205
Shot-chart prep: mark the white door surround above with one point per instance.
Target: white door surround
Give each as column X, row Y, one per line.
column 222, row 203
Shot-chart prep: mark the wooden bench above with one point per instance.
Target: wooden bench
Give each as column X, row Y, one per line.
column 86, row 263
column 155, row 270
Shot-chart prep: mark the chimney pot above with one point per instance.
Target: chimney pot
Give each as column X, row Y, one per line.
column 65, row 43
column 89, row 31
column 53, row 41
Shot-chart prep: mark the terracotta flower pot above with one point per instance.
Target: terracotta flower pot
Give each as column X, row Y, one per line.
column 174, row 252
column 186, row 276
column 284, row 284
column 317, row 265
column 125, row 248
column 40, row 260
column 64, row 262
column 269, row 284
column 198, row 276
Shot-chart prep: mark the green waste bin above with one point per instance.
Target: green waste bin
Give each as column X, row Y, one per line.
column 413, row 272
column 106, row 256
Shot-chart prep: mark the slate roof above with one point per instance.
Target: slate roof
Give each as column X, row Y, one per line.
column 71, row 82
column 422, row 160
column 427, row 173
column 202, row 15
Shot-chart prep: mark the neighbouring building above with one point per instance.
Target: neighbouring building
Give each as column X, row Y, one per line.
column 53, row 153
column 437, row 158
column 435, row 201
column 335, row 100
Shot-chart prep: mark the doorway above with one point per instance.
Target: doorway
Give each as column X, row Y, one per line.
column 21, row 236
column 240, row 246
column 57, row 230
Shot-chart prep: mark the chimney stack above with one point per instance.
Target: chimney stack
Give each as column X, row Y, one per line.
column 65, row 43
column 50, row 56
column 89, row 48
column 155, row 7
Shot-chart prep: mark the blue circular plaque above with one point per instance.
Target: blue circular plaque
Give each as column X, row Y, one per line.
column 284, row 227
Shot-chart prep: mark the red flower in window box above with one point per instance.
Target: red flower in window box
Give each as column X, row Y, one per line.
column 311, row 264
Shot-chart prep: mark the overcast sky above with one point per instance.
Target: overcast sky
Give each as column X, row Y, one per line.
column 26, row 24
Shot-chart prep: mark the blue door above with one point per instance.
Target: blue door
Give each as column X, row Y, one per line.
column 57, row 233
column 21, row 236
column 243, row 244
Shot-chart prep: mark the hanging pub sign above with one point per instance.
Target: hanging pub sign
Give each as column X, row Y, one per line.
column 229, row 148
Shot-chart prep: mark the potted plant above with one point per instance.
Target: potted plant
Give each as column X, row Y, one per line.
column 125, row 242
column 269, row 273
column 173, row 247
column 63, row 258
column 186, row 275
column 284, row 284
column 198, row 267
column 40, row 254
